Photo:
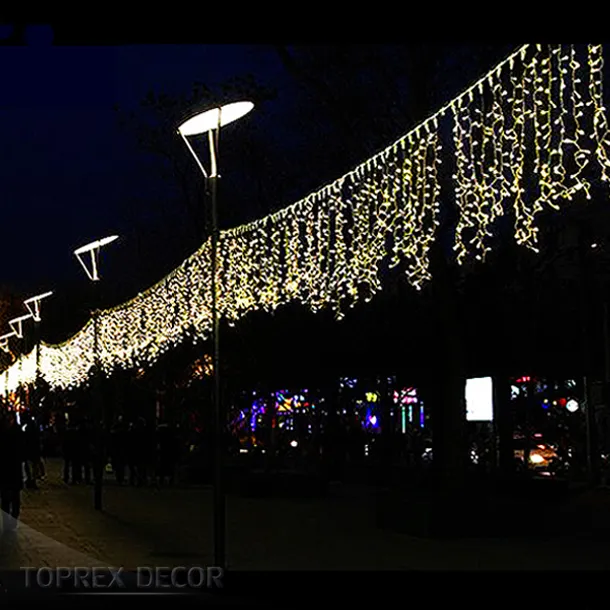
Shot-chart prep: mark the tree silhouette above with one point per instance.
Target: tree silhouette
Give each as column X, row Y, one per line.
column 154, row 128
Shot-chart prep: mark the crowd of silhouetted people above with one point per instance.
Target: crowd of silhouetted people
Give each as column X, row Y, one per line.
column 135, row 452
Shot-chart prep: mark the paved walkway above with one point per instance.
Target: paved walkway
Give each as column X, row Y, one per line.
column 173, row 527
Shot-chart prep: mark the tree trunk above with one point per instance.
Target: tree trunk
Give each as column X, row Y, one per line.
column 446, row 383
column 445, row 397
column 592, row 450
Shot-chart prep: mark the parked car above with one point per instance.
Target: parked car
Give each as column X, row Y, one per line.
column 543, row 456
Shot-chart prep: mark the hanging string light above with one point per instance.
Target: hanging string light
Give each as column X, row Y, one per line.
column 520, row 141
column 601, row 134
column 523, row 138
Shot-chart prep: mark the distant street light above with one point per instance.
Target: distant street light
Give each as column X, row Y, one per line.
column 16, row 324
column 210, row 122
column 93, row 274
column 4, row 340
column 5, row 348
column 94, row 250
column 33, row 306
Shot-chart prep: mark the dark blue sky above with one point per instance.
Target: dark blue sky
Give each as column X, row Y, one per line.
column 69, row 174
column 68, row 170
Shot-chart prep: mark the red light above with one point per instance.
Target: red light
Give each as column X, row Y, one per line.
column 562, row 402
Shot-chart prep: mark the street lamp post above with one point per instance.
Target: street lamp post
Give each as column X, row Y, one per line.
column 33, row 306
column 93, row 249
column 16, row 325
column 5, row 347
column 210, row 122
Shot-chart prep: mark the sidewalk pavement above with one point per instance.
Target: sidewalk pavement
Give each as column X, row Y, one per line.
column 173, row 527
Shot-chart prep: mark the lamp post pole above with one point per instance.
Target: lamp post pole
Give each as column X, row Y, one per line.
column 219, row 483
column 27, row 390
column 210, row 122
column 35, row 396
column 584, row 253
column 99, row 411
column 34, row 304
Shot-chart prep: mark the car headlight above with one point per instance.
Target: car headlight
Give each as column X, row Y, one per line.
column 536, row 458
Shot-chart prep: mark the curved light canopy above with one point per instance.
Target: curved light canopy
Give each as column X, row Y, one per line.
column 209, row 119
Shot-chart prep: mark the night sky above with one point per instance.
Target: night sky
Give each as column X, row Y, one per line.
column 71, row 174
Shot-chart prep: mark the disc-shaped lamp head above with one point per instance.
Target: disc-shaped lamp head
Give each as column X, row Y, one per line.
column 95, row 244
column 209, row 119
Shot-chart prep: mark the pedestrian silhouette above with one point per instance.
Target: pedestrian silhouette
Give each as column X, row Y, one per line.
column 12, row 451
column 72, row 455
column 33, row 457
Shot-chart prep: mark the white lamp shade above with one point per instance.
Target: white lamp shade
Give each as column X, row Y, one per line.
column 96, row 244
column 208, row 120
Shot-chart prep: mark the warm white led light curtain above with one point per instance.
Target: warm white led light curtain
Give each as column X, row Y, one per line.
column 68, row 364
column 320, row 250
column 523, row 137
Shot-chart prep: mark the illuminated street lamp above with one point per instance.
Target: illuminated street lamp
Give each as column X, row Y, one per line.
column 33, row 304
column 4, row 340
column 5, row 347
column 210, row 122
column 93, row 274
column 94, row 250
column 16, row 324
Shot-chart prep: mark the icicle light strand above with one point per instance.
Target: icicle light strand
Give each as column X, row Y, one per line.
column 524, row 137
